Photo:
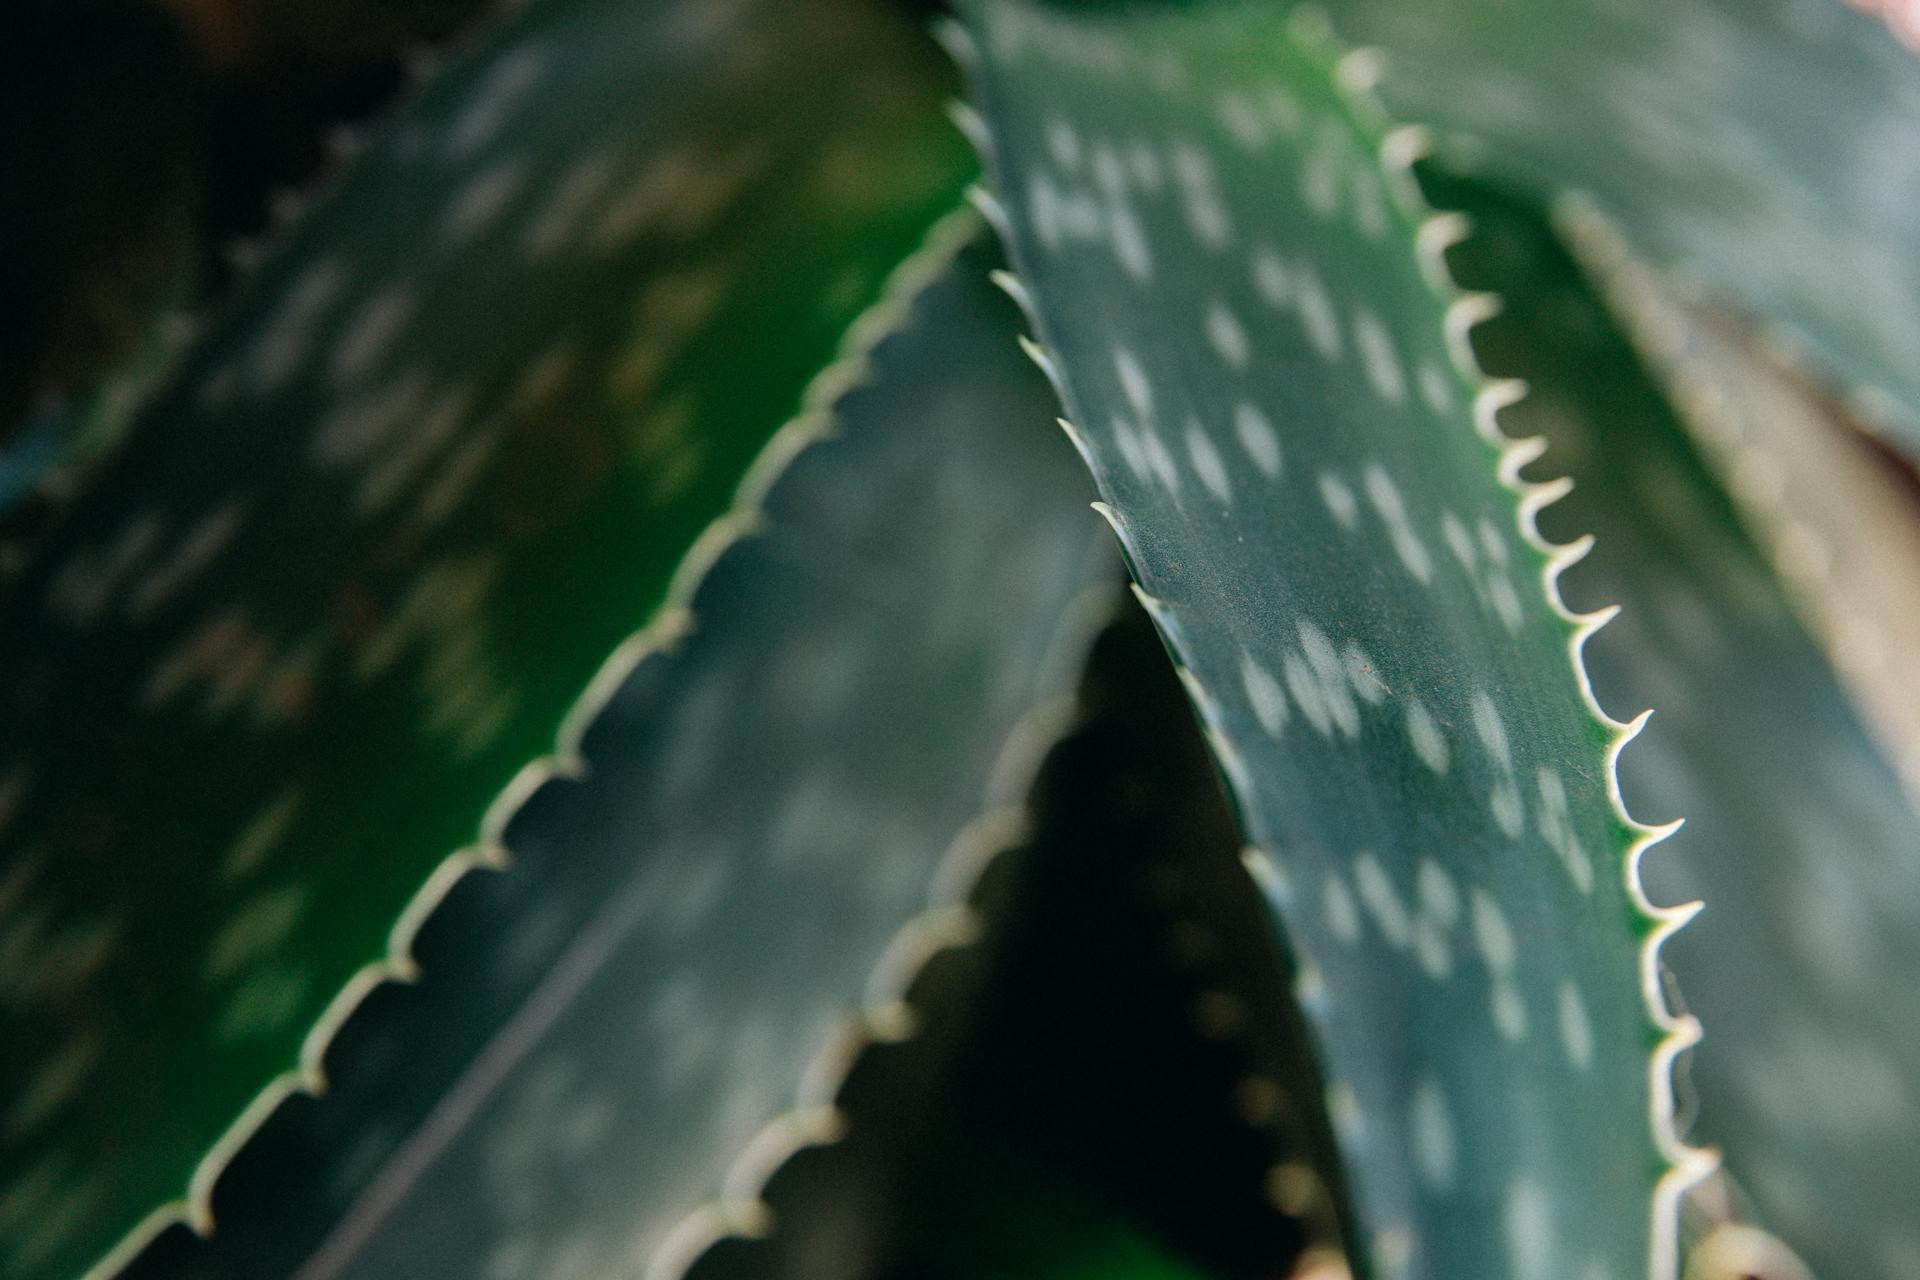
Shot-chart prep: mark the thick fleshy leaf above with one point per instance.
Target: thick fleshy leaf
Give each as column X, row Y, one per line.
column 1836, row 518
column 607, row 1025
column 1113, row 1080
column 348, row 575
column 1797, row 827
column 1241, row 296
column 1773, row 146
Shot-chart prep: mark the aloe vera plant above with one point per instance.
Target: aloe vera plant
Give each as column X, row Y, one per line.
column 551, row 747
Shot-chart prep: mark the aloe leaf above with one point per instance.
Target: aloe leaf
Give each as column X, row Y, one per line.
column 1838, row 524
column 152, row 151
column 1241, row 296
column 351, row 571
column 1112, row 1080
column 689, row 927
column 1772, row 146
column 1796, row 823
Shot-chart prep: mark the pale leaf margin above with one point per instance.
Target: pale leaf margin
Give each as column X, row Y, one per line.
column 672, row 620
column 1836, row 525
column 1400, row 148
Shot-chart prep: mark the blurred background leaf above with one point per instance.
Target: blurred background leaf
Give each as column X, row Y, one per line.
column 347, row 575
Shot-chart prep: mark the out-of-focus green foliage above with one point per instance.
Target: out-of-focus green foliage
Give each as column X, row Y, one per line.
column 611, row 466
column 350, row 571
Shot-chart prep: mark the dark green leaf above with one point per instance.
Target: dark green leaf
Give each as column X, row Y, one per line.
column 1797, row 830
column 350, row 573
column 1241, row 295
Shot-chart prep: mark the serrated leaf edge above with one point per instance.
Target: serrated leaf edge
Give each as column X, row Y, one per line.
column 421, row 69
column 673, row 619
column 179, row 326
column 1357, row 73
column 886, row 1017
column 1893, row 419
column 949, row 923
column 1863, row 648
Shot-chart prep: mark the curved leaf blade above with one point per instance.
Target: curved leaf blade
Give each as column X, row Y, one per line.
column 1241, row 297
column 350, row 573
column 1768, row 145
column 689, row 927
column 1107, row 1081
column 1796, row 822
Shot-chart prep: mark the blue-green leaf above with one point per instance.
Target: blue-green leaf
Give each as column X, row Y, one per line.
column 1242, row 299
column 1112, row 1081
column 1797, row 827
column 1770, row 146
column 680, row 950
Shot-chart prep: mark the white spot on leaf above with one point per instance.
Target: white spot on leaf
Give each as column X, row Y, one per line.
column 1428, row 742
column 1430, row 1133
column 1258, row 438
column 1227, row 335
column 1382, row 901
column 1529, row 1225
column 1263, row 695
column 1576, row 1029
column 1316, row 313
column 1270, row 278
column 1207, row 463
column 1407, row 545
column 1379, row 358
column 1133, row 381
column 1341, row 503
column 1343, row 915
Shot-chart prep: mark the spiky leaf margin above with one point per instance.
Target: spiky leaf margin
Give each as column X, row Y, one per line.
column 1797, row 825
column 1766, row 148
column 351, row 571
column 1242, row 299
column 682, row 945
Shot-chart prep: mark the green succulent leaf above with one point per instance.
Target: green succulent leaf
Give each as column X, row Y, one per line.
column 1241, row 296
column 1796, row 824
column 1773, row 146
column 349, row 573
column 1113, row 1078
column 1835, row 517
column 607, row 1025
